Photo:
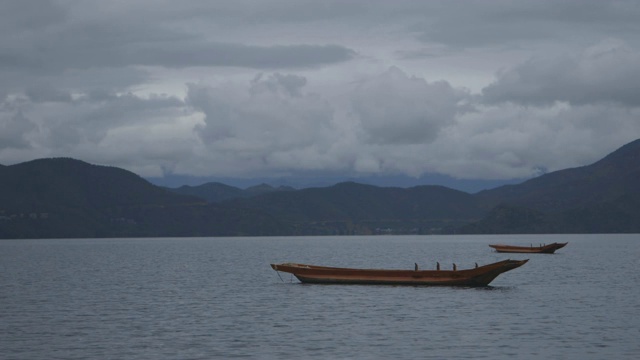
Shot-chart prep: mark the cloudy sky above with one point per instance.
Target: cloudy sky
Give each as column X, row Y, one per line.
column 214, row 89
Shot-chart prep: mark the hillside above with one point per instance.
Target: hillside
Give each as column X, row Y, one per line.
column 601, row 197
column 63, row 182
column 352, row 208
column 70, row 198
column 617, row 175
column 53, row 198
column 218, row 192
column 598, row 198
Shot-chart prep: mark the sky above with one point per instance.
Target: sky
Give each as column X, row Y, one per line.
column 408, row 91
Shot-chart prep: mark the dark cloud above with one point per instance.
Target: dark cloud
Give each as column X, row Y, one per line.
column 115, row 43
column 17, row 16
column 261, row 125
column 511, row 24
column 394, row 108
column 291, row 84
column 608, row 72
column 257, row 57
column 47, row 93
column 482, row 89
column 14, row 131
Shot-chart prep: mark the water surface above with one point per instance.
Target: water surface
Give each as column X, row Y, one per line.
column 204, row 298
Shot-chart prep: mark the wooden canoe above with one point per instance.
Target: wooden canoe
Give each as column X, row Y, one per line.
column 479, row 276
column 542, row 249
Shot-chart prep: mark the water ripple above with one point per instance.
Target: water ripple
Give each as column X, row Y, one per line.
column 218, row 298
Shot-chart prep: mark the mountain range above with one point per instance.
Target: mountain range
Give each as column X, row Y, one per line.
column 63, row 197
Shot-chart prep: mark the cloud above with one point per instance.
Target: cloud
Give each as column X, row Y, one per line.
column 257, row 57
column 274, row 126
column 16, row 15
column 607, row 72
column 46, row 123
column 291, row 84
column 14, row 131
column 265, row 126
column 47, row 93
column 507, row 24
column 394, row 108
column 67, row 50
column 67, row 41
column 491, row 90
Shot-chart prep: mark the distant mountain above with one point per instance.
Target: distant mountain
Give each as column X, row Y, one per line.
column 62, row 197
column 212, row 192
column 602, row 197
column 52, row 198
column 598, row 198
column 64, row 182
column 174, row 181
column 352, row 208
column 617, row 175
column 217, row 192
column 264, row 189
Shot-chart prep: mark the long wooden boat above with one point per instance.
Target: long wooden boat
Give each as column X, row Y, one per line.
column 478, row 276
column 541, row 249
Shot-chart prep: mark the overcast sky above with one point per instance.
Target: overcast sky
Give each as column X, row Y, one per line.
column 491, row 90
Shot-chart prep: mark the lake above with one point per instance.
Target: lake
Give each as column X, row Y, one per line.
column 210, row 298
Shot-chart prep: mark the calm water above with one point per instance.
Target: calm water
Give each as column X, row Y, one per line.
column 211, row 298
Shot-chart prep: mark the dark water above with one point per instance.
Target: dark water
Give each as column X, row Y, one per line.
column 218, row 298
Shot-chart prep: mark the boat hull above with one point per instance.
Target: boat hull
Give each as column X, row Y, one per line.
column 546, row 249
column 480, row 276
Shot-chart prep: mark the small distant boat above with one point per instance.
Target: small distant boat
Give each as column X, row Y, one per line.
column 542, row 249
column 478, row 276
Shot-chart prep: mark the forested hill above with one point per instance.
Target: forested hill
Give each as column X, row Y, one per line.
column 352, row 208
column 63, row 182
column 61, row 197
column 218, row 192
column 600, row 198
column 617, row 175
